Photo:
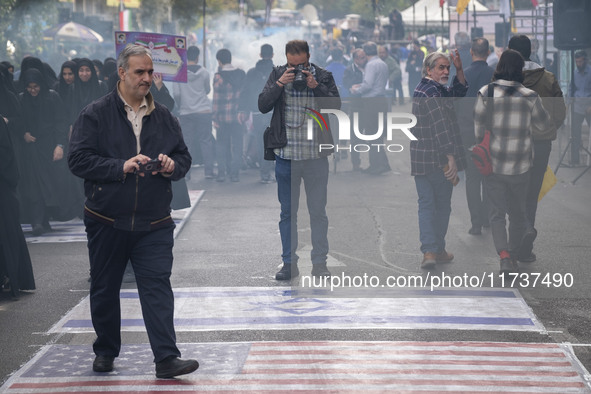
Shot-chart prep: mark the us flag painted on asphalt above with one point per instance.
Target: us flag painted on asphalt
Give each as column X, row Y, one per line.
column 338, row 367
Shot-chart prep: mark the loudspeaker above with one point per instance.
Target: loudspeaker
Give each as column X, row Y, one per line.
column 572, row 27
column 502, row 34
column 476, row 32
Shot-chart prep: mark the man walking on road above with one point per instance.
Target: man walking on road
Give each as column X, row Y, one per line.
column 543, row 82
column 127, row 211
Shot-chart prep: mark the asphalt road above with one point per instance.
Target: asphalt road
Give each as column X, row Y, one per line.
column 232, row 239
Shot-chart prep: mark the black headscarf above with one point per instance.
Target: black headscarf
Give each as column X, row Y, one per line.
column 63, row 88
column 86, row 92
column 28, row 63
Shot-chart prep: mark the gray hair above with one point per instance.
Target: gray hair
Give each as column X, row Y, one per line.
column 431, row 59
column 131, row 50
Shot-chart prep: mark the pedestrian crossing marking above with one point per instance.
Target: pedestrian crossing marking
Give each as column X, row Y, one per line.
column 280, row 308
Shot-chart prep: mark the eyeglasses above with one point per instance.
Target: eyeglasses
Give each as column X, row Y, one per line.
column 33, row 88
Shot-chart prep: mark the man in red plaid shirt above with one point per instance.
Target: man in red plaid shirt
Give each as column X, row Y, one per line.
column 227, row 84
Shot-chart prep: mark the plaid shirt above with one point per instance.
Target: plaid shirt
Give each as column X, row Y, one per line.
column 516, row 108
column 299, row 147
column 437, row 130
column 225, row 100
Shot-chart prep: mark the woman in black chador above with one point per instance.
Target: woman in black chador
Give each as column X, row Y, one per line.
column 45, row 133
column 16, row 271
column 87, row 86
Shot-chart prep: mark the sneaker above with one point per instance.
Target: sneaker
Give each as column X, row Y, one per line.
column 320, row 270
column 444, row 257
column 287, row 272
column 527, row 244
column 429, row 260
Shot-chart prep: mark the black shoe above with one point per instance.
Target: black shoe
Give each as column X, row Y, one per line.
column 103, row 364
column 38, row 230
column 506, row 266
column 527, row 244
column 174, row 366
column 320, row 270
column 528, row 259
column 287, row 272
column 475, row 230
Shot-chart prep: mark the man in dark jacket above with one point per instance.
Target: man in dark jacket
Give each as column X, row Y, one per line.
column 293, row 96
column 543, row 82
column 127, row 211
column 255, row 81
column 477, row 75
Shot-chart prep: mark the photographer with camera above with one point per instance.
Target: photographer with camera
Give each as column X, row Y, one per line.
column 291, row 91
column 128, row 148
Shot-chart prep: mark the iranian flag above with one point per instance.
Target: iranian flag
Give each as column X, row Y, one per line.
column 125, row 20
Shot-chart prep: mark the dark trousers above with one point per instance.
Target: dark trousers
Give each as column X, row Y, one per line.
column 541, row 155
column 369, row 122
column 197, row 131
column 475, row 195
column 289, row 175
column 575, row 134
column 230, row 143
column 397, row 85
column 150, row 253
column 506, row 196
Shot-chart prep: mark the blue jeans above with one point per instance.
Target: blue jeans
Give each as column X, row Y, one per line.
column 289, row 174
column 434, row 192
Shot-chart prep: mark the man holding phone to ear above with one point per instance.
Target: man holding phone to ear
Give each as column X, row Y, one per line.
column 127, row 208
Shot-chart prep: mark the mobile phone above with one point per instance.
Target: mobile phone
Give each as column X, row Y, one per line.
column 151, row 166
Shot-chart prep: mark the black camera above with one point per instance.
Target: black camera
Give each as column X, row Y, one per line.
column 151, row 166
column 299, row 82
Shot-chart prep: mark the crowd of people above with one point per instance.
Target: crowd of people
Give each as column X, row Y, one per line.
column 81, row 142
column 40, row 109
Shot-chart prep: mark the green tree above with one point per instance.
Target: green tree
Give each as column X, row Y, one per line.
column 26, row 21
column 188, row 13
column 6, row 7
column 152, row 13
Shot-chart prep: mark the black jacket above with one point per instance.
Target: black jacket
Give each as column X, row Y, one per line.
column 271, row 98
column 102, row 140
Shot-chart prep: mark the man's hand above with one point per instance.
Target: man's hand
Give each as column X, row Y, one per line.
column 310, row 80
column 157, row 79
column 29, row 138
column 456, row 59
column 167, row 165
column 58, row 153
column 287, row 77
column 132, row 165
column 452, row 171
